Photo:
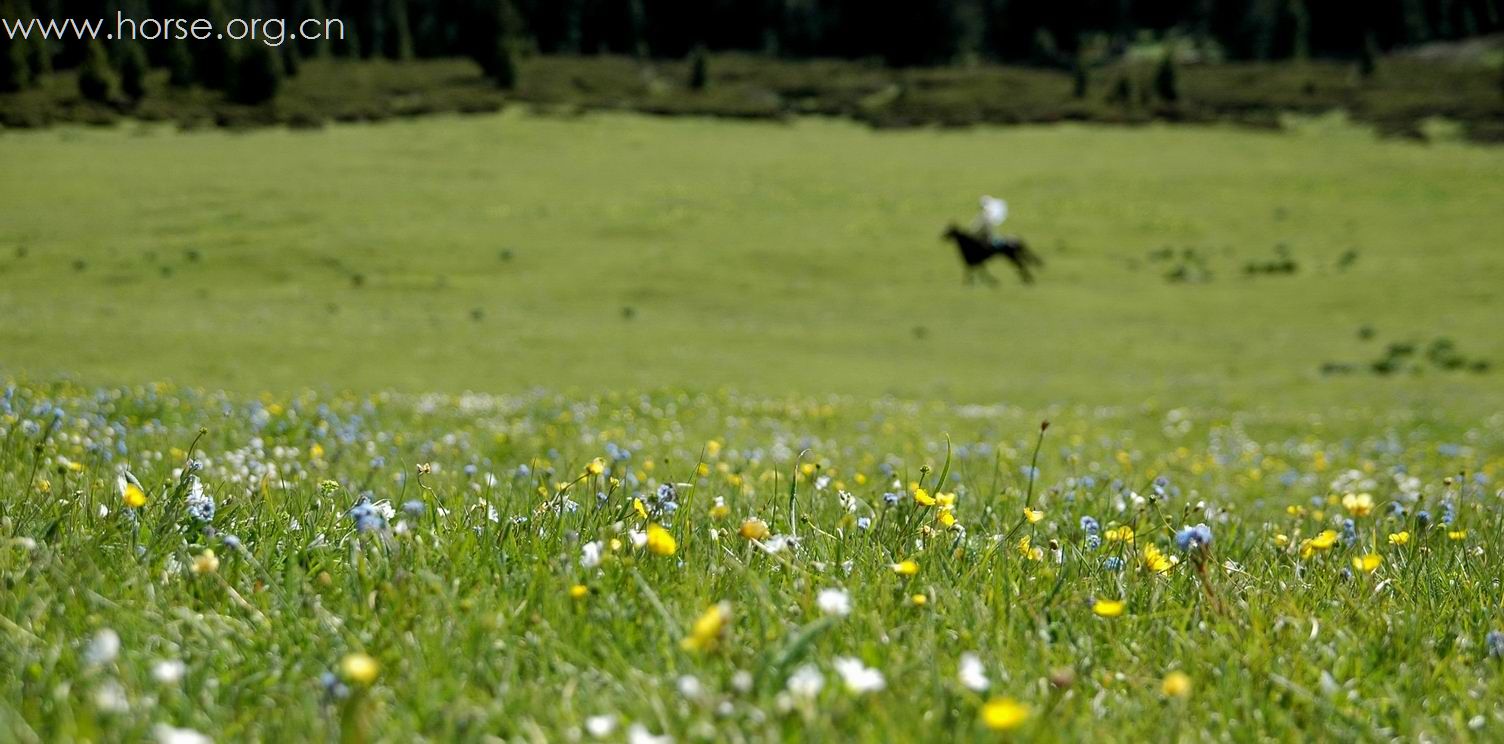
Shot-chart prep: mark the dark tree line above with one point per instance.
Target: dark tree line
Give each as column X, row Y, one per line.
column 898, row 32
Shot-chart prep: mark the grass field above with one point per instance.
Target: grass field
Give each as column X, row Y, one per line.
column 615, row 252
column 741, row 458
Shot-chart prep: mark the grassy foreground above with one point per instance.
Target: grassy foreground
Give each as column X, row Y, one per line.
column 616, row 251
column 718, row 567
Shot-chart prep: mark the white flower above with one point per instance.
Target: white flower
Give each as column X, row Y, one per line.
column 690, row 687
column 103, row 649
column 834, row 602
column 859, row 678
column 638, row 537
column 110, row 698
column 600, row 727
column 742, row 681
column 806, row 682
column 639, row 734
column 168, row 671
column 169, row 735
column 590, row 554
column 973, row 677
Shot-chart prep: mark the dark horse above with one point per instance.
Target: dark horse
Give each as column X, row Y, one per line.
column 977, row 250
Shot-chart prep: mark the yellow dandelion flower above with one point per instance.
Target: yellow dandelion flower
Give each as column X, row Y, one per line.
column 1367, row 563
column 754, row 529
column 660, row 542
column 947, row 518
column 1295, row 510
column 359, row 669
column 919, row 600
column 905, row 568
column 1281, row 540
column 706, row 631
column 595, row 467
column 206, row 562
column 579, row 591
column 1399, row 538
column 131, row 491
column 642, row 511
column 1119, row 534
column 1457, row 535
column 1108, row 607
column 1027, row 550
column 1033, row 515
column 1320, row 543
column 923, row 497
column 1358, row 504
column 1176, row 684
column 1004, row 714
column 945, row 499
column 1156, row 561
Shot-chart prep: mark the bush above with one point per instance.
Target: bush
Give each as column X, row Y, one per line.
column 14, row 70
column 96, row 81
column 1165, row 85
column 133, row 68
column 179, row 64
column 699, row 72
column 258, row 74
column 499, row 64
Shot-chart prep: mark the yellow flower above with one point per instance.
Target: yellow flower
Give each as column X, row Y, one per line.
column 754, row 529
column 706, row 631
column 1295, row 510
column 1108, row 607
column 720, row 510
column 919, row 600
column 1457, row 535
column 905, row 568
column 359, row 668
column 1281, row 540
column 1358, row 504
column 579, row 591
column 1176, row 684
column 660, row 542
column 1004, row 714
column 595, row 467
column 131, row 492
column 1321, row 542
column 206, row 562
column 1399, row 538
column 1028, row 551
column 945, row 499
column 1155, row 560
column 923, row 497
column 1367, row 563
column 947, row 518
column 1119, row 534
column 1033, row 515
column 712, row 448
column 642, row 511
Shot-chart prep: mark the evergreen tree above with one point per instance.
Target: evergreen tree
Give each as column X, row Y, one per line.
column 15, row 72
column 96, row 81
column 258, row 74
column 179, row 64
column 699, row 73
column 1079, row 81
column 213, row 57
column 131, row 64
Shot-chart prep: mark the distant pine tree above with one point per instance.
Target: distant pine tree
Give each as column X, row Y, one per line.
column 699, row 72
column 1165, row 85
column 15, row 73
column 96, row 81
column 1368, row 55
column 1079, row 80
column 213, row 57
column 258, row 74
column 131, row 64
column 179, row 64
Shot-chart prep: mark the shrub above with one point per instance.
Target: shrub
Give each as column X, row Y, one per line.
column 1165, row 85
column 258, row 73
column 132, row 68
column 699, row 73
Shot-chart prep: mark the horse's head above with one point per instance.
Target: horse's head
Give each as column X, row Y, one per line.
column 952, row 232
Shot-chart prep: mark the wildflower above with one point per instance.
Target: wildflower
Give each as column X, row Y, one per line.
column 1028, row 551
column 923, row 497
column 1281, row 540
column 1399, row 538
column 1108, row 607
column 637, row 506
column 660, row 542
column 595, row 467
column 1033, row 515
column 103, row 649
column 131, row 491
column 1494, row 642
column 720, row 510
column 1176, row 684
column 1358, row 504
column 806, row 682
column 706, row 631
column 1089, row 525
column 754, row 529
column 905, row 568
column 864, row 523
column 359, row 669
column 1367, row 563
column 835, row 602
column 1320, row 543
column 858, row 677
column 169, row 671
column 579, row 591
column 367, row 516
column 1423, row 519
column 971, row 673
column 200, row 505
column 690, row 687
column 1004, row 714
column 1119, row 534
column 1193, row 538
column 947, row 518
column 590, row 554
column 1113, row 563
column 919, row 600
column 1349, row 532
column 1457, row 535
column 600, row 727
column 166, row 734
column 206, row 562
column 1156, row 561
column 639, row 734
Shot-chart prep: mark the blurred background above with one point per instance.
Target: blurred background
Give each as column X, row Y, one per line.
column 1241, row 202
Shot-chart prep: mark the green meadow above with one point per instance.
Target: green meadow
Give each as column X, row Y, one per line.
column 615, row 428
column 617, row 251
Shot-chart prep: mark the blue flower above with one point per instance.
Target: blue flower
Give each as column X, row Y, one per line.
column 1349, row 532
column 1193, row 538
column 864, row 523
column 1090, row 526
column 1113, row 563
column 1423, row 519
column 890, row 498
column 1494, row 641
column 414, row 508
column 1093, row 541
